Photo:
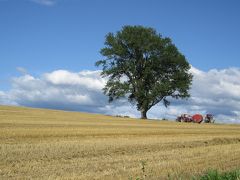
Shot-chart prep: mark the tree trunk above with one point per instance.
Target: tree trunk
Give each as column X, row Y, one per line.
column 143, row 114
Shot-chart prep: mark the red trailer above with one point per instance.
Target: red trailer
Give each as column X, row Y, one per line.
column 197, row 118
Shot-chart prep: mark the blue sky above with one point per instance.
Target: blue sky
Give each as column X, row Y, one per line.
column 48, row 49
column 68, row 34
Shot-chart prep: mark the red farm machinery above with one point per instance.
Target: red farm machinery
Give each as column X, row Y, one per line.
column 196, row 118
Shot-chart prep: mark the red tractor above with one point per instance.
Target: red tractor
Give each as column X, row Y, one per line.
column 184, row 118
column 196, row 118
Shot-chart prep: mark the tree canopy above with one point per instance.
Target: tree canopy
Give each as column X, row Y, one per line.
column 145, row 67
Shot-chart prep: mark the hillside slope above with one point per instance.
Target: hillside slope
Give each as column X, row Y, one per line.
column 40, row 143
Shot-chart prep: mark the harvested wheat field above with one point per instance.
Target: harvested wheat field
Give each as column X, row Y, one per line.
column 49, row 144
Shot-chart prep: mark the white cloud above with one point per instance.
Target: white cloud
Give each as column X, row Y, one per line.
column 59, row 89
column 215, row 91
column 88, row 79
column 5, row 99
column 45, row 2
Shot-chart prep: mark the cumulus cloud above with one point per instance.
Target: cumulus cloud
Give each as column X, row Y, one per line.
column 5, row 99
column 215, row 91
column 60, row 89
column 87, row 79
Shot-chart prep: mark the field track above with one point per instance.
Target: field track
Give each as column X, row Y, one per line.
column 49, row 144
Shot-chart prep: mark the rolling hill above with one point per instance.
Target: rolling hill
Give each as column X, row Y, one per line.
column 51, row 144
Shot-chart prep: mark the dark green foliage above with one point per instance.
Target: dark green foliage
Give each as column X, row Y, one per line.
column 215, row 175
column 145, row 67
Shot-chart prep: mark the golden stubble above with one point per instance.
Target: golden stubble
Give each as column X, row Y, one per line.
column 48, row 144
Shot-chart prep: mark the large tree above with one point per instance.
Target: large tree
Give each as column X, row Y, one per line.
column 145, row 67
